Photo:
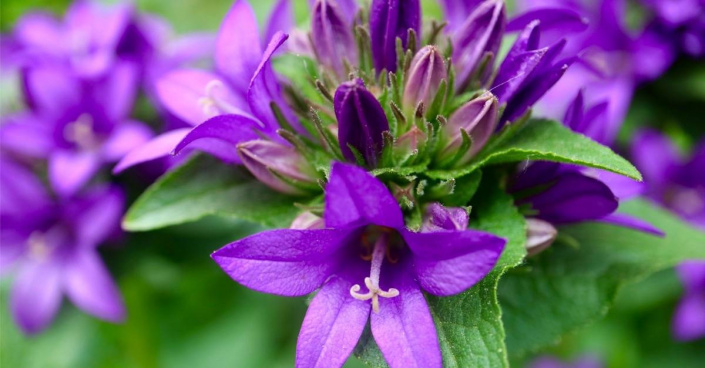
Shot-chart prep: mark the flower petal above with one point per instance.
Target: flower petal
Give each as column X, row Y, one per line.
column 27, row 135
column 51, row 89
column 283, row 262
column 332, row 326
column 689, row 319
column 220, row 135
column 124, row 138
column 281, row 19
column 449, row 262
column 36, row 295
column 98, row 216
column 354, row 197
column 161, row 146
column 20, row 190
column 264, row 89
column 655, row 156
column 70, row 170
column 237, row 48
column 183, row 93
column 403, row 328
column 632, row 223
column 90, row 287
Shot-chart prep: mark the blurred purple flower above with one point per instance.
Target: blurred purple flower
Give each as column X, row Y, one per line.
column 51, row 248
column 672, row 181
column 689, row 319
column 681, row 21
column 364, row 240
column 239, row 94
column 77, row 125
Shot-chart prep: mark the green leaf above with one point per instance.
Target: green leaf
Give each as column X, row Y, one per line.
column 567, row 287
column 469, row 325
column 205, row 186
column 544, row 140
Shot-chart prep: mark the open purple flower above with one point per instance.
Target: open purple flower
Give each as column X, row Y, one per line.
column 367, row 266
column 51, row 248
column 78, row 125
column 243, row 87
column 689, row 320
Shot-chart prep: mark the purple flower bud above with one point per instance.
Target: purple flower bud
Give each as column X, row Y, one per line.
column 438, row 217
column 539, row 235
column 425, row 75
column 278, row 166
column 390, row 19
column 480, row 34
column 361, row 121
column 332, row 36
column 478, row 118
column 307, row 221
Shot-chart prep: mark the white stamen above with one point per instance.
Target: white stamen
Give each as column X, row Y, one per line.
column 38, row 248
column 372, row 282
column 81, row 133
column 213, row 105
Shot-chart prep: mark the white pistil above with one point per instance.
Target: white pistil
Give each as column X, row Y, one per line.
column 372, row 282
column 213, row 105
column 81, row 133
column 38, row 248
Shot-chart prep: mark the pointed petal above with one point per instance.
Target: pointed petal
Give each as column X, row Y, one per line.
column 332, row 326
column 98, row 216
column 124, row 138
column 637, row 224
column 354, row 197
column 284, row 262
column 280, row 20
column 161, row 146
column 52, row 89
column 556, row 23
column 449, row 262
column 621, row 186
column 27, row 135
column 689, row 319
column 118, row 90
column 572, row 198
column 70, row 170
column 20, row 190
column 264, row 89
column 237, row 48
column 220, row 135
column 655, row 156
column 403, row 328
column 36, row 295
column 184, row 91
column 90, row 287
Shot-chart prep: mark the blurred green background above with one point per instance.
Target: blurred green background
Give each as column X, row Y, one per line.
column 183, row 311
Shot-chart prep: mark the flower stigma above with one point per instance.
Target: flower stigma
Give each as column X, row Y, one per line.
column 213, row 105
column 81, row 132
column 372, row 282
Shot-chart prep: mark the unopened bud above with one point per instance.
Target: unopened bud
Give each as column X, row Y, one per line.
column 539, row 235
column 278, row 166
column 478, row 118
column 332, row 36
column 307, row 221
column 425, row 75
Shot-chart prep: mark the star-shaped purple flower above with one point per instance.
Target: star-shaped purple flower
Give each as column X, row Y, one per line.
column 368, row 266
column 51, row 248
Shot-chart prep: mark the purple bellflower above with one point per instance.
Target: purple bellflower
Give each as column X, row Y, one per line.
column 672, row 181
column 426, row 72
column 237, row 97
column 389, row 20
column 361, row 122
column 612, row 60
column 77, row 125
column 682, row 22
column 50, row 247
column 689, row 319
column 368, row 266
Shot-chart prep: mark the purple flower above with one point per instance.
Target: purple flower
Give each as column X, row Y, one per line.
column 477, row 118
column 332, row 36
column 457, row 11
column 689, row 319
column 367, row 266
column 425, row 74
column 389, row 20
column 51, row 248
column 361, row 122
column 243, row 88
column 672, row 181
column 478, row 37
column 681, row 21
column 77, row 125
column 527, row 72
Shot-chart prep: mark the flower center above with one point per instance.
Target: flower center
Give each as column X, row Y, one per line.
column 213, row 105
column 372, row 282
column 38, row 248
column 81, row 133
